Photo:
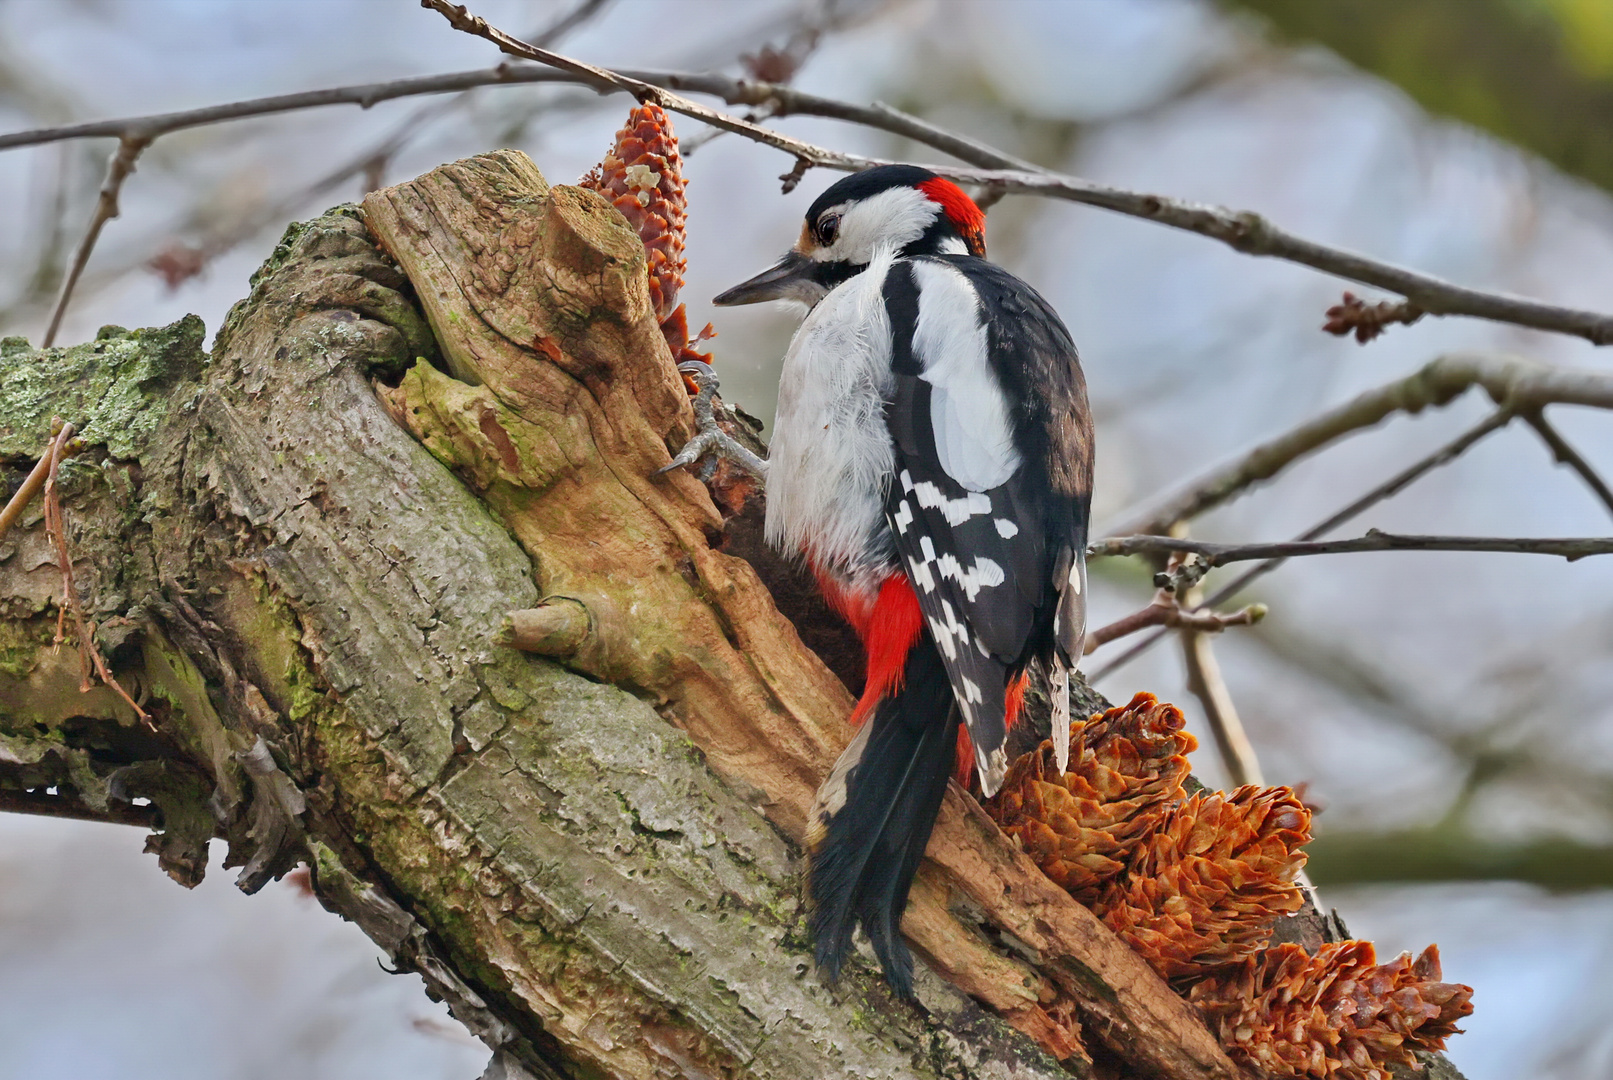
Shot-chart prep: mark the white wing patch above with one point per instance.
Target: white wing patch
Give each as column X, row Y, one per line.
column 968, row 410
column 1006, row 529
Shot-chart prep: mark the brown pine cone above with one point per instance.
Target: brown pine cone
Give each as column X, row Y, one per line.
column 1205, row 887
column 642, row 176
column 1338, row 1014
column 1081, row 827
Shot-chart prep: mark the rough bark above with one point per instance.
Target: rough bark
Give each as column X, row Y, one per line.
column 592, row 860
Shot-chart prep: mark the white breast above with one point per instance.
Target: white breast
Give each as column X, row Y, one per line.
column 831, row 454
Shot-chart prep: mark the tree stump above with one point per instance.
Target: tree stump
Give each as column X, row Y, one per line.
column 303, row 554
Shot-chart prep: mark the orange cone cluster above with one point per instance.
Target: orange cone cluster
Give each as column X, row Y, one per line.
column 1081, row 827
column 642, row 176
column 1338, row 1014
column 1205, row 888
column 1195, row 884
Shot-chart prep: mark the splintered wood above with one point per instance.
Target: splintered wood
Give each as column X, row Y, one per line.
column 560, row 401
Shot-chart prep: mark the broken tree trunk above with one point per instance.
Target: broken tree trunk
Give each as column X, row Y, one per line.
column 590, row 855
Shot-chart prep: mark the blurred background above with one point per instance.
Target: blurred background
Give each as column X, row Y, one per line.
column 1448, row 704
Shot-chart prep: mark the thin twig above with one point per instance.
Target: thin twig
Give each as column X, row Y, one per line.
column 1205, row 681
column 1567, row 455
column 1166, row 612
column 118, row 168
column 1211, row 555
column 32, row 485
column 1389, row 488
column 90, row 658
column 58, row 806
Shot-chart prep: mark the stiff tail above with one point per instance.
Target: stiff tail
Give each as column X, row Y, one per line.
column 873, row 818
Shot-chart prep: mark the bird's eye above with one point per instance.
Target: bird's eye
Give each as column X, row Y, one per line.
column 828, row 229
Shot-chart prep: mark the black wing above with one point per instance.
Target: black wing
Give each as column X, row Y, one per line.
column 993, row 478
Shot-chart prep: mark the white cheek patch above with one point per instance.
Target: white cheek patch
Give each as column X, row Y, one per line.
column 889, row 220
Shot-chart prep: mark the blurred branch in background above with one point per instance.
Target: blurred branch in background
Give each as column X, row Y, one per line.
column 1515, row 384
column 1456, row 854
column 1242, row 230
column 139, row 134
column 1389, row 488
column 1537, row 73
column 1212, row 555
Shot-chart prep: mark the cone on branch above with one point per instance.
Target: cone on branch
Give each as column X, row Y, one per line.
column 1204, row 888
column 1082, row 826
column 1338, row 1015
column 642, row 176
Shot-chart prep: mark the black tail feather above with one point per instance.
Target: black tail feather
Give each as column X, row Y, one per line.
column 875, row 814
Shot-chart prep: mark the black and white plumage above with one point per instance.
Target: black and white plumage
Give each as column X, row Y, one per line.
column 932, row 460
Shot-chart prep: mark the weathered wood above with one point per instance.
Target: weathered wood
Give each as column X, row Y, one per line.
column 552, row 856
column 309, row 604
column 580, row 351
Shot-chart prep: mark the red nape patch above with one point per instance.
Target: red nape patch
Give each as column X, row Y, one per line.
column 968, row 218
column 892, row 627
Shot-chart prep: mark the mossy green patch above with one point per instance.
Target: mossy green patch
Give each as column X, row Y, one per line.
column 113, row 388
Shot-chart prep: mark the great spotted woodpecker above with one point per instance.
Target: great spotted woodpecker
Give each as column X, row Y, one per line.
column 932, row 461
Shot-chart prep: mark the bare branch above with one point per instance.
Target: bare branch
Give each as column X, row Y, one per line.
column 118, row 168
column 1513, row 383
column 1567, row 455
column 35, row 481
column 1211, row 555
column 1391, row 487
column 1454, row 854
column 59, row 806
column 1204, row 680
column 1245, row 231
column 1165, row 612
column 1242, row 230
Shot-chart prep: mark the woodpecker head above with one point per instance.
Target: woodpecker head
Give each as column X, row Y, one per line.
column 901, row 209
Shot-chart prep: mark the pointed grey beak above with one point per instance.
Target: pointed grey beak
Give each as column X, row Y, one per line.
column 785, row 279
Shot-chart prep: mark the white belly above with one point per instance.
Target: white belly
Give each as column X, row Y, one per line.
column 831, row 454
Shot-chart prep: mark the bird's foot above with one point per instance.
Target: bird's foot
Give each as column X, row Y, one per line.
column 711, row 442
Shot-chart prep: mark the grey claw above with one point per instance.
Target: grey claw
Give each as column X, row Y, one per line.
column 710, row 439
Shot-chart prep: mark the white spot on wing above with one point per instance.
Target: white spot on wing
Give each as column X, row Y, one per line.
column 1005, row 528
column 956, row 511
column 984, row 573
column 903, row 516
